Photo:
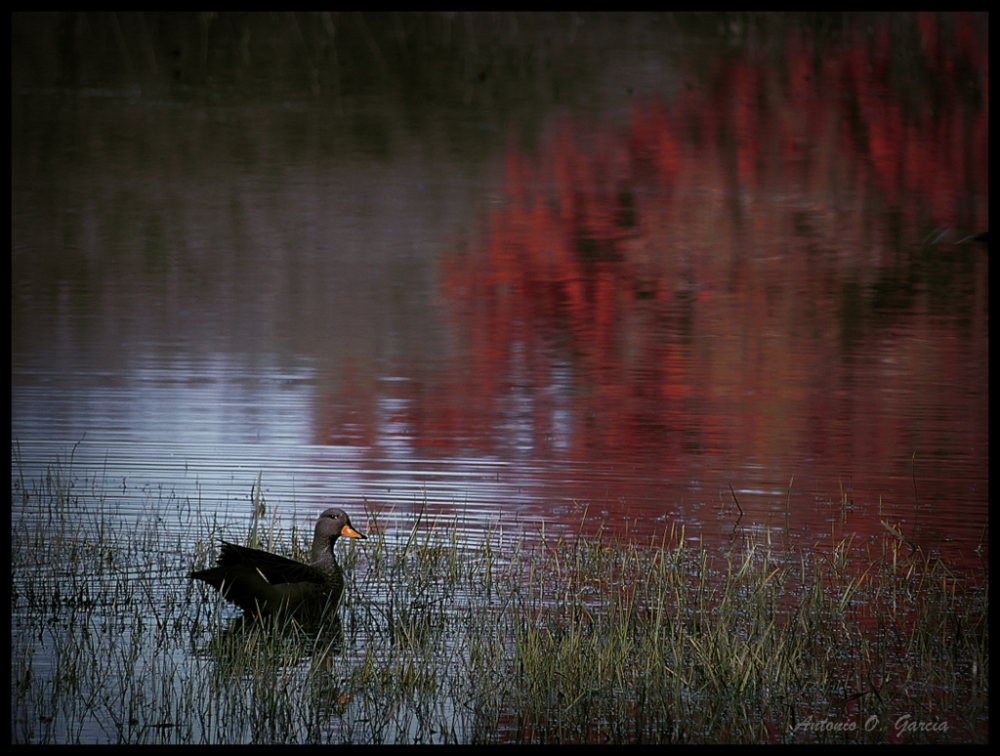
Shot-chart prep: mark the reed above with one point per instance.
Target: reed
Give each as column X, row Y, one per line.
column 498, row 637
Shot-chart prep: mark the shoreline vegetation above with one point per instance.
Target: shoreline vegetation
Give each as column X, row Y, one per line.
column 443, row 638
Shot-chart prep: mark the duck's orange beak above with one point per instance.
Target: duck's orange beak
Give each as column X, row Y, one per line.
column 350, row 532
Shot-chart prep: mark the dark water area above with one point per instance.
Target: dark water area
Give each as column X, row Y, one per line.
column 633, row 272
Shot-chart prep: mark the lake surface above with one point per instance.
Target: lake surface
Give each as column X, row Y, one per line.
column 721, row 278
column 628, row 272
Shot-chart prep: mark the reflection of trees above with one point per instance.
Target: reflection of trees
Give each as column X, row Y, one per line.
column 704, row 279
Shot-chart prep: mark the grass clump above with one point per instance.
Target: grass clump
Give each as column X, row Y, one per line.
column 495, row 637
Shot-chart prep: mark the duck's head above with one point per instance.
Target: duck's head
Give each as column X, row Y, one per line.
column 334, row 523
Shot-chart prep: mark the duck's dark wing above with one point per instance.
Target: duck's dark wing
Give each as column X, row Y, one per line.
column 270, row 567
column 258, row 581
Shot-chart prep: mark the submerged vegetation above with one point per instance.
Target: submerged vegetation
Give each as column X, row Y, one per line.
column 497, row 638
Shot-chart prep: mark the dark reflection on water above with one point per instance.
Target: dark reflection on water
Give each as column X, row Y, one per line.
column 523, row 270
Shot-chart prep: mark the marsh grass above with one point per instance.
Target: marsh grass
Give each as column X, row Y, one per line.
column 504, row 638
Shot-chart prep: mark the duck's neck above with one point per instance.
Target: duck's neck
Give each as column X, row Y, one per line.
column 322, row 551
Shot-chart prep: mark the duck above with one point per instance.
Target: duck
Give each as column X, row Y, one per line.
column 263, row 584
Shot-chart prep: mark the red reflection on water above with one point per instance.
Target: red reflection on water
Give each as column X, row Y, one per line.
column 734, row 281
